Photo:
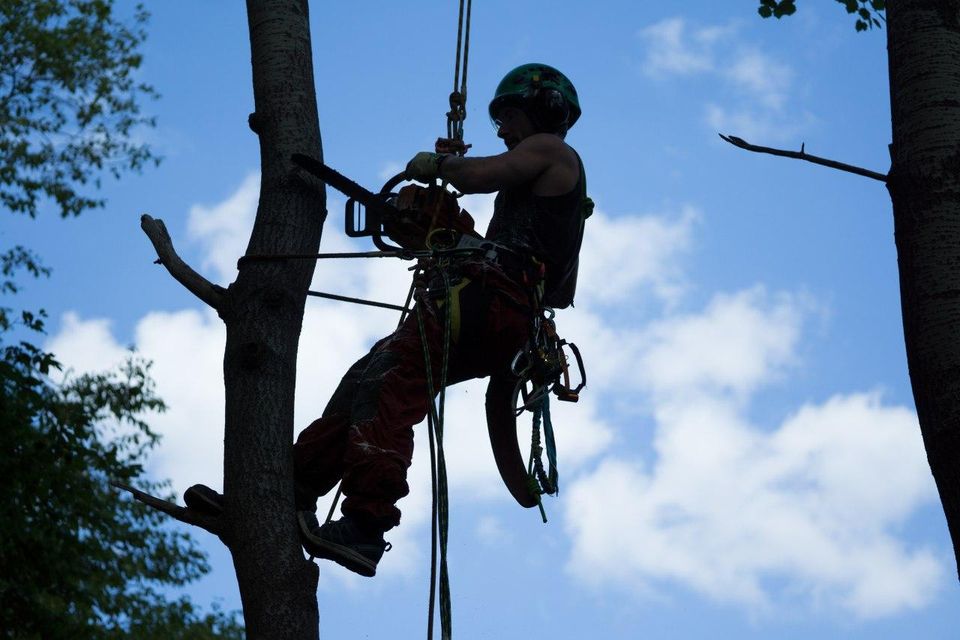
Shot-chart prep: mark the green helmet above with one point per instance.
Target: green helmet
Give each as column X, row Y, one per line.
column 546, row 96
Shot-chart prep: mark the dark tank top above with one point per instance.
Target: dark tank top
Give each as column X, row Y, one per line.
column 550, row 228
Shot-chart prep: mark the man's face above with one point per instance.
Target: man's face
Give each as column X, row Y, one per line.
column 513, row 125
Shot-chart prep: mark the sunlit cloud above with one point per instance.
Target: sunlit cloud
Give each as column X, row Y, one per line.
column 727, row 507
column 674, row 48
column 760, row 105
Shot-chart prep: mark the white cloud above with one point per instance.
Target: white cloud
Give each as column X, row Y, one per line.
column 766, row 78
column 186, row 349
column 729, row 508
column 756, row 124
column 671, row 50
column 759, row 84
column 223, row 229
column 492, row 533
column 86, row 346
column 623, row 255
column 736, row 344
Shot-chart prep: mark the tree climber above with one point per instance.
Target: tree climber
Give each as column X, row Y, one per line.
column 365, row 436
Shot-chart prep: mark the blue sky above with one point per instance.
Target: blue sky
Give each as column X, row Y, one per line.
column 746, row 461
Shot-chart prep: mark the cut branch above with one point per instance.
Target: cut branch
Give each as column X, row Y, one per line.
column 803, row 155
column 183, row 514
column 180, row 270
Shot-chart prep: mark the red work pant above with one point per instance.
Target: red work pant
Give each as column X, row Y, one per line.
column 365, row 435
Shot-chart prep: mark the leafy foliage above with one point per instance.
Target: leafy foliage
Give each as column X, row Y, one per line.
column 870, row 13
column 776, row 9
column 68, row 101
column 77, row 558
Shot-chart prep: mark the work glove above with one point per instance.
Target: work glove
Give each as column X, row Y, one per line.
column 424, row 167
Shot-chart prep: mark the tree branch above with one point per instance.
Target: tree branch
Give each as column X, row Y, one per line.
column 183, row 514
column 180, row 270
column 803, row 155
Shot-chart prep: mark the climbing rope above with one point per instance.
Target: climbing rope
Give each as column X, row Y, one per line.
column 458, row 97
column 540, row 481
column 438, row 466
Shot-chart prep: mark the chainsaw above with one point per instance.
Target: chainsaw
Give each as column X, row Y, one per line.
column 414, row 217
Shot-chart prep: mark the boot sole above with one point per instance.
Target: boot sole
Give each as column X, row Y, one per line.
column 341, row 554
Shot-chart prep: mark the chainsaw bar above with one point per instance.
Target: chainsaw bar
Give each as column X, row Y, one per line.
column 342, row 183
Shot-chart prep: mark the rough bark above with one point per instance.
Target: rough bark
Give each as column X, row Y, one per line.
column 923, row 43
column 263, row 312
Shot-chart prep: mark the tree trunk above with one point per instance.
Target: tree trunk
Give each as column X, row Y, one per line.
column 923, row 42
column 263, row 314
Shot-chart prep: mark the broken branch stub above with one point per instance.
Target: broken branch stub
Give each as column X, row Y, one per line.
column 199, row 286
column 186, row 515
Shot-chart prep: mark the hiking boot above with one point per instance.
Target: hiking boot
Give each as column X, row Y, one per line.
column 344, row 541
column 203, row 498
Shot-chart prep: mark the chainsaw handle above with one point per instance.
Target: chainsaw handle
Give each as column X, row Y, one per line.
column 352, row 220
column 389, row 185
column 372, row 221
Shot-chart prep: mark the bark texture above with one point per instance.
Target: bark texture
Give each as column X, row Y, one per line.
column 923, row 42
column 263, row 312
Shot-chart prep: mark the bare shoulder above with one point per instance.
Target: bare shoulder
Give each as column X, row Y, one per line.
column 562, row 164
column 550, row 144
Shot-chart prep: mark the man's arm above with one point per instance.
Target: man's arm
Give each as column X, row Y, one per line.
column 528, row 161
column 524, row 163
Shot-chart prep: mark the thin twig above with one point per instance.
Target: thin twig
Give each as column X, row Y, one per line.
column 183, row 514
column 803, row 155
column 180, row 270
